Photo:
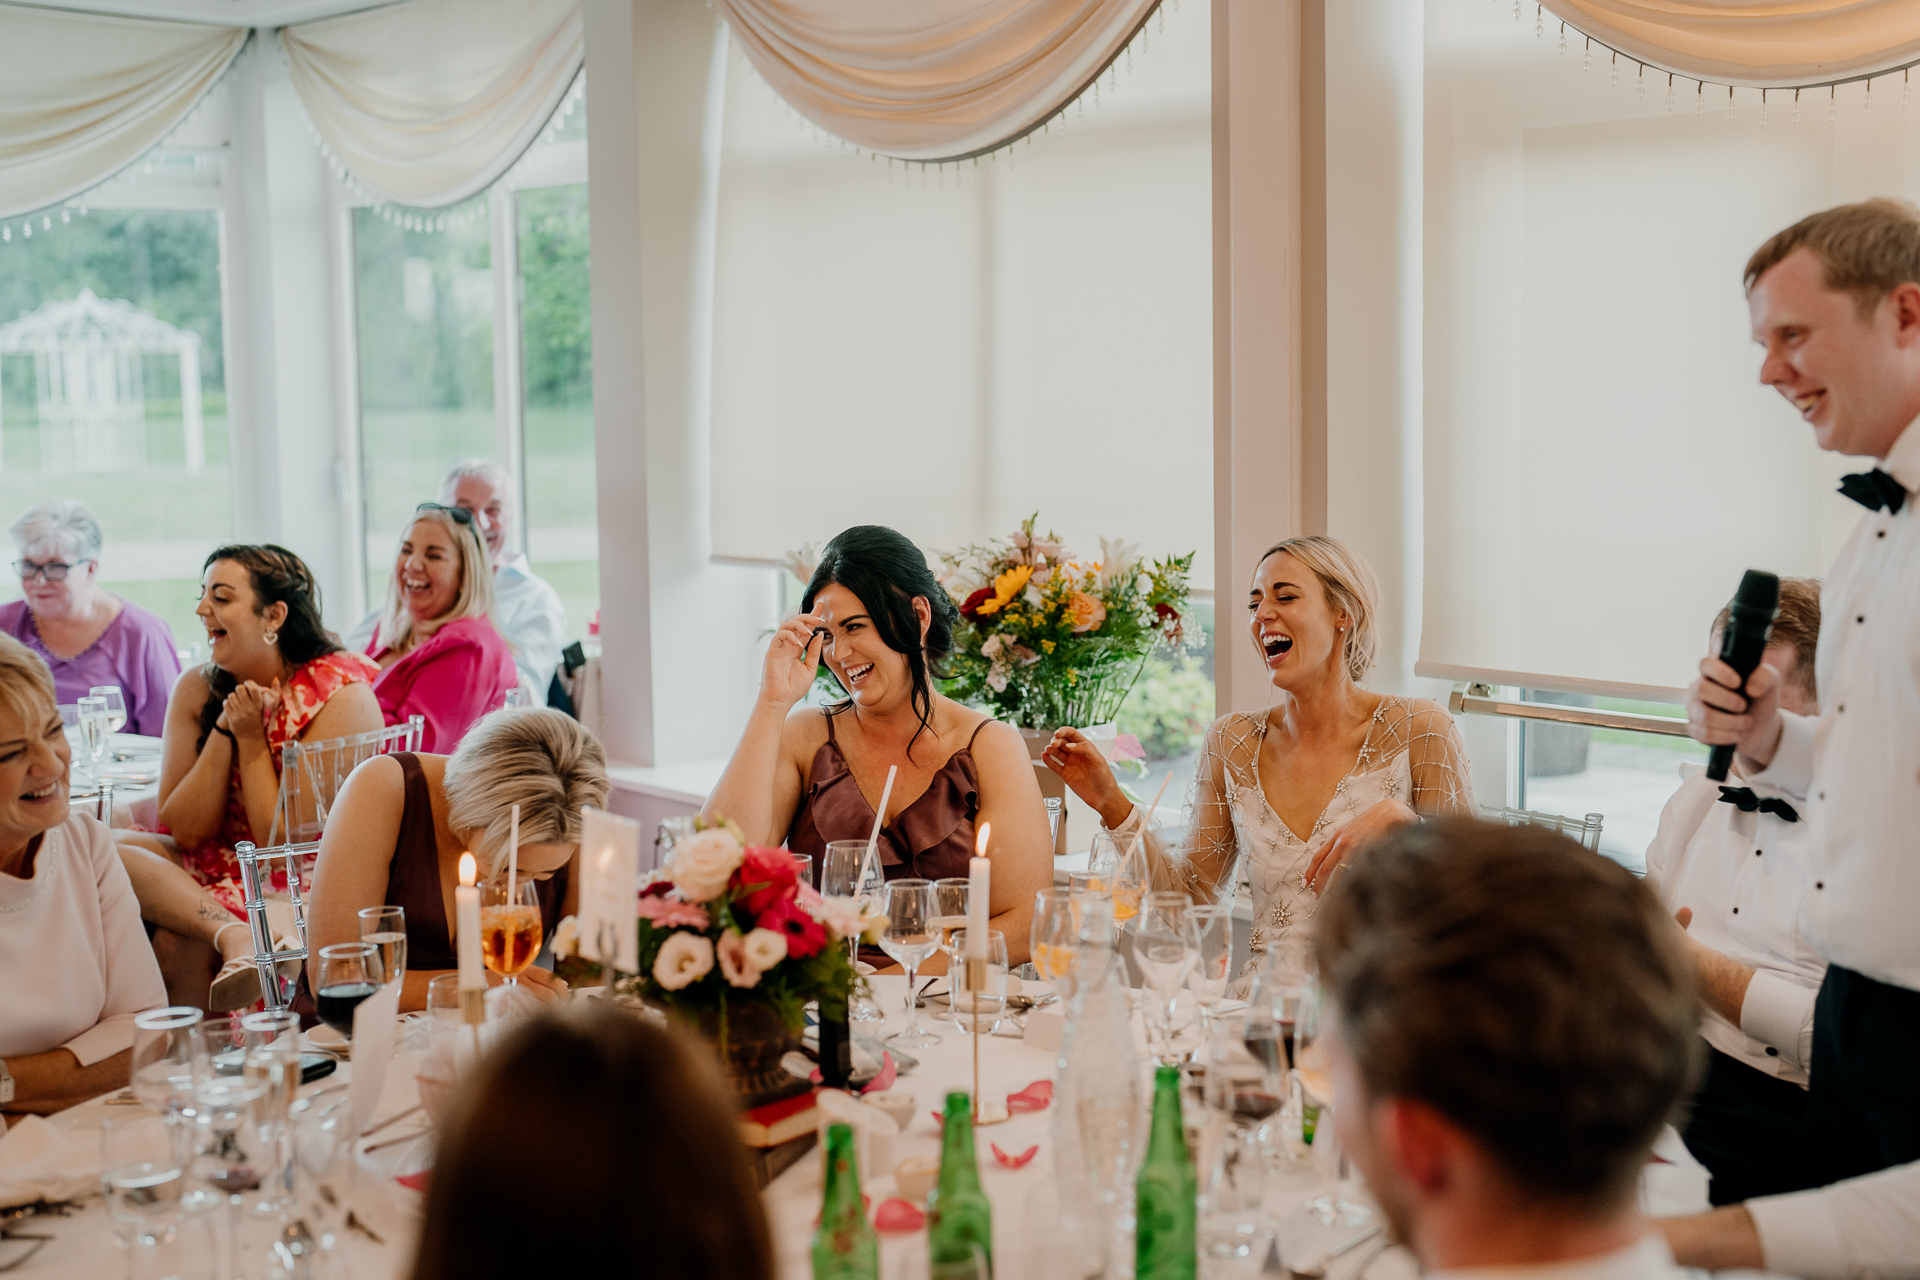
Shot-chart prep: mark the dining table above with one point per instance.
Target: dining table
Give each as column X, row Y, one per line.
column 385, row 1213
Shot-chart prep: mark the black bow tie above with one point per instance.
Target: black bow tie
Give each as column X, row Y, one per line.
column 1748, row 802
column 1874, row 490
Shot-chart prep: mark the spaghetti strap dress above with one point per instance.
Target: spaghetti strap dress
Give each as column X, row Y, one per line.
column 931, row 838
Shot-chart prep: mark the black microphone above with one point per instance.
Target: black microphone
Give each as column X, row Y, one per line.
column 1749, row 625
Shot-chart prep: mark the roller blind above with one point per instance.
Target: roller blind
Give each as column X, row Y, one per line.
column 946, row 350
column 1601, row 461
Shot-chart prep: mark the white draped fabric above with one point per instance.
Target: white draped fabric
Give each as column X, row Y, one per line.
column 430, row 102
column 1761, row 43
column 82, row 97
column 931, row 79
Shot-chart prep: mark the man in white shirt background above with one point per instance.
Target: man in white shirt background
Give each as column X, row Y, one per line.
column 1513, row 1022
column 1731, row 860
column 1835, row 302
column 526, row 611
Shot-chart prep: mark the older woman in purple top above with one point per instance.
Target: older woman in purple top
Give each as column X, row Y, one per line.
column 87, row 636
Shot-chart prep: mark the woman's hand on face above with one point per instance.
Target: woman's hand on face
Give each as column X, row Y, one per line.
column 1081, row 766
column 247, row 708
column 1367, row 825
column 793, row 659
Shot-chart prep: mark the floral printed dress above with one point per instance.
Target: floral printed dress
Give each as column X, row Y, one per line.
column 301, row 698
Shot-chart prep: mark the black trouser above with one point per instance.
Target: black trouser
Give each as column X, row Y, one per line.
column 1863, row 1112
column 1750, row 1130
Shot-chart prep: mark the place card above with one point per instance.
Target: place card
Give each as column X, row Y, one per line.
column 609, row 878
column 373, row 1024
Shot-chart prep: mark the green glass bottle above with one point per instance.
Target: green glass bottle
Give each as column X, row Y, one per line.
column 959, row 1219
column 844, row 1247
column 1165, row 1192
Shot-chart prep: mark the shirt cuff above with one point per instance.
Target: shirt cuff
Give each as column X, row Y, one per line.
column 1791, row 769
column 102, row 1040
column 1799, row 1235
column 1779, row 1014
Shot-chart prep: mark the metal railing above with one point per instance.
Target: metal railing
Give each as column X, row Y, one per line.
column 1478, row 699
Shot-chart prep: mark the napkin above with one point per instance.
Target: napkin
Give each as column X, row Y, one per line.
column 373, row 1024
column 38, row 1160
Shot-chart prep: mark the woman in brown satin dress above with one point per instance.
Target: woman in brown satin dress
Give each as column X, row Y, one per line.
column 874, row 614
column 401, row 822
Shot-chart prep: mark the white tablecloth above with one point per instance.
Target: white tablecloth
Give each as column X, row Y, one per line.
column 84, row 1248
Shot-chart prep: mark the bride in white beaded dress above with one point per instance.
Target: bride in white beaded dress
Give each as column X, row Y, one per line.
column 1297, row 788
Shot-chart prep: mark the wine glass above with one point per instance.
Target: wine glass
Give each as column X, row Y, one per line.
column 167, row 1059
column 803, row 868
column 1163, row 947
column 1121, row 864
column 141, row 1171
column 1245, row 1087
column 94, row 719
column 116, row 705
column 978, row 1012
column 386, row 928
column 1055, row 939
column 1212, row 924
column 846, row 873
column 1312, row 1071
column 349, row 973
column 910, row 938
column 511, row 930
column 951, row 896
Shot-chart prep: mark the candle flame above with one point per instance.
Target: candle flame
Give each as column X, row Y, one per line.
column 980, row 845
column 469, row 870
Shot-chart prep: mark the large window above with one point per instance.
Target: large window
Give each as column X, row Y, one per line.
column 444, row 315
column 113, row 391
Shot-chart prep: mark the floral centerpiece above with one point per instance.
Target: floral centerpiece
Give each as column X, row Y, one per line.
column 1048, row 639
column 727, row 929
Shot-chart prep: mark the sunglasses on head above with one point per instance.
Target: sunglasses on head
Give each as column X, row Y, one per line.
column 460, row 514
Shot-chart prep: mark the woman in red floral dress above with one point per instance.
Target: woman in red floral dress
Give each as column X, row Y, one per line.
column 276, row 676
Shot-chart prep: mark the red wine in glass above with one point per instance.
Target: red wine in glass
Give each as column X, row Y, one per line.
column 336, row 1003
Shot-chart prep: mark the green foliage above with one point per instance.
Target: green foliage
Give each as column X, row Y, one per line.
column 1169, row 708
column 556, row 298
column 438, row 352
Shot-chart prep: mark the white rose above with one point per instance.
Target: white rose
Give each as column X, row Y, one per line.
column 765, row 948
column 566, row 938
column 701, row 865
column 840, row 915
column 684, row 958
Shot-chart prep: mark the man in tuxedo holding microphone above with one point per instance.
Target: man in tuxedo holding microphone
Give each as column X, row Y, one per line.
column 1835, row 303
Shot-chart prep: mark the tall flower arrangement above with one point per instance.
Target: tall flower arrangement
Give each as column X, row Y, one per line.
column 725, row 922
column 1048, row 638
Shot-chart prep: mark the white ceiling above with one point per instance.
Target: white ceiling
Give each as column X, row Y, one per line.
column 226, row 13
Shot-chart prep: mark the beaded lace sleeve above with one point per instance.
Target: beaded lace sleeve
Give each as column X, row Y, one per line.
column 1204, row 866
column 1436, row 754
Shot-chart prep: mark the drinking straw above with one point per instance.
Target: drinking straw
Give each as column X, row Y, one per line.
column 513, row 853
column 879, row 817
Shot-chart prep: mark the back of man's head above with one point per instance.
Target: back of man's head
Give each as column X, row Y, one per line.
column 1531, row 992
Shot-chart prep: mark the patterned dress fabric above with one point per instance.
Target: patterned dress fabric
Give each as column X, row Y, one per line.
column 301, row 699
column 1413, row 753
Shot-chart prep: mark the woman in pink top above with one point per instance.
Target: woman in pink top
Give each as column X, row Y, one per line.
column 438, row 654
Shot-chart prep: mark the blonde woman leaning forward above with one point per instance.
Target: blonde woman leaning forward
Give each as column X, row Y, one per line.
column 74, row 962
column 874, row 614
column 402, row 821
column 436, row 646
column 1329, row 766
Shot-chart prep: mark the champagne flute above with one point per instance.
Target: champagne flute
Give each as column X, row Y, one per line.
column 1314, row 1074
column 910, row 938
column 1212, row 924
column 116, row 705
column 94, row 718
column 1121, row 862
column 511, row 929
column 1163, row 947
column 1055, row 939
column 349, row 973
column 386, row 928
column 845, row 873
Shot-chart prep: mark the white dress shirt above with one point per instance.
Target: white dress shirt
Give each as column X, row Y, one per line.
column 1859, row 763
column 528, row 615
column 1861, row 759
column 1745, row 877
column 75, row 962
column 1646, row 1259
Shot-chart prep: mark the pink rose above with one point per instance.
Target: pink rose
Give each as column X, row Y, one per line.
column 671, row 913
column 766, row 876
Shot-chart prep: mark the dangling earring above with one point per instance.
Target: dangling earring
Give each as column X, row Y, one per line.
column 272, row 637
